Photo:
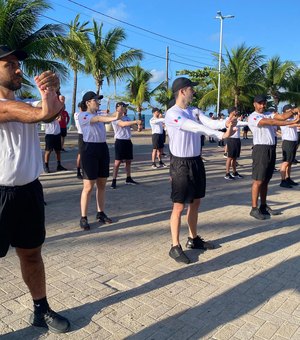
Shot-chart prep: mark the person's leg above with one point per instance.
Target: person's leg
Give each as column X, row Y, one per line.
column 264, row 192
column 154, row 151
column 86, row 195
column 62, row 142
column 128, row 167
column 233, row 165
column 47, row 156
column 58, row 156
column 192, row 217
column 175, row 222
column 33, row 271
column 255, row 191
column 228, row 164
column 283, row 170
column 78, row 166
column 116, row 168
column 100, row 193
column 288, row 170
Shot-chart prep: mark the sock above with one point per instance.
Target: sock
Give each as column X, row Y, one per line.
column 58, row 163
column 84, row 217
column 78, row 171
column 41, row 305
column 47, row 165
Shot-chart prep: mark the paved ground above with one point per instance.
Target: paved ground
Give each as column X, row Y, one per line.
column 118, row 282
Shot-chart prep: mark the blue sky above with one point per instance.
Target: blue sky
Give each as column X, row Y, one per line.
column 272, row 25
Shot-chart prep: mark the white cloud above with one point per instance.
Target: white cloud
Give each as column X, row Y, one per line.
column 118, row 11
column 157, row 76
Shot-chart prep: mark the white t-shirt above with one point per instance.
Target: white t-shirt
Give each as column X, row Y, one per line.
column 20, row 153
column 78, row 127
column 289, row 133
column 262, row 135
column 157, row 125
column 121, row 132
column 92, row 132
column 52, row 128
column 237, row 128
column 186, row 143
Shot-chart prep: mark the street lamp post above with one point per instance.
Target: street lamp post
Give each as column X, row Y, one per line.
column 221, row 17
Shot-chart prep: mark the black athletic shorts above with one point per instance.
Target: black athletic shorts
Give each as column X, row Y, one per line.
column 158, row 141
column 80, row 142
column 263, row 162
column 63, row 132
column 95, row 160
column 22, row 217
column 188, row 180
column 53, row 142
column 233, row 147
column 123, row 149
column 289, row 149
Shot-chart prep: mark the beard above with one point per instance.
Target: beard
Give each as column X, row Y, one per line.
column 10, row 85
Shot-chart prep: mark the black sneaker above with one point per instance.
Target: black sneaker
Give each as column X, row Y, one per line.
column 113, row 184
column 178, row 255
column 79, row 176
column 51, row 320
column 84, row 224
column 237, row 175
column 130, row 181
column 154, row 166
column 255, row 212
column 266, row 210
column 229, row 177
column 291, row 182
column 46, row 169
column 102, row 217
column 198, row 243
column 162, row 165
column 285, row 184
column 60, row 168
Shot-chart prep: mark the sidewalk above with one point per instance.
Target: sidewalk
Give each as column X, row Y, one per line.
column 117, row 281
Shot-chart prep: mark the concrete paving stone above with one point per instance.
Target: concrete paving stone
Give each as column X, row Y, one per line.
column 287, row 317
column 267, row 330
column 287, row 330
column 247, row 331
column 226, row 332
column 270, row 318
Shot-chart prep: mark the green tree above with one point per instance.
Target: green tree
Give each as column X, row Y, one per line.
column 102, row 59
column 19, row 20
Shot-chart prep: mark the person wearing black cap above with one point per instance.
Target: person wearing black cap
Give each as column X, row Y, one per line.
column 233, row 146
column 186, row 167
column 94, row 156
column 80, row 141
column 262, row 124
column 289, row 138
column 157, row 128
column 123, row 145
column 22, row 215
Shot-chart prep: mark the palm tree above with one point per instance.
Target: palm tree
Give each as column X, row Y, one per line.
column 292, row 93
column 138, row 88
column 73, row 50
column 102, row 60
column 19, row 29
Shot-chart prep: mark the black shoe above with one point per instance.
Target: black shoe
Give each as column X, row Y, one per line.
column 291, row 182
column 79, row 176
column 198, row 243
column 285, row 184
column 162, row 165
column 51, row 320
column 60, row 168
column 46, row 170
column 154, row 166
column 255, row 212
column 237, row 175
column 102, row 217
column 84, row 224
column 178, row 255
column 113, row 184
column 130, row 181
column 295, row 161
column 229, row 177
column 266, row 210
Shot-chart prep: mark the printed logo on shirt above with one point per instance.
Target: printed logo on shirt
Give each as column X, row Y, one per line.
column 176, row 120
column 85, row 116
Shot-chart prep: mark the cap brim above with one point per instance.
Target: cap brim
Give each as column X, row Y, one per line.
column 21, row 55
column 194, row 83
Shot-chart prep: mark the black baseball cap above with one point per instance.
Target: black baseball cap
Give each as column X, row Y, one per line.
column 91, row 95
column 5, row 51
column 156, row 109
column 121, row 104
column 231, row 109
column 287, row 107
column 182, row 82
column 260, row 98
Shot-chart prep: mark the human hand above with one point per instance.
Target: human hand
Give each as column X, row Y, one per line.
column 47, row 80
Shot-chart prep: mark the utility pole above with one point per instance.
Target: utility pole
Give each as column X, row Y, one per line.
column 167, row 67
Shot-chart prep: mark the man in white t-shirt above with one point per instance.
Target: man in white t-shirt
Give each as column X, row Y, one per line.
column 80, row 140
column 186, row 167
column 22, row 215
column 289, row 138
column 123, row 145
column 262, row 124
column 157, row 129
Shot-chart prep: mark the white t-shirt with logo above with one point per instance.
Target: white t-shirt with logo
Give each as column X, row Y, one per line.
column 157, row 125
column 289, row 133
column 121, row 132
column 186, row 143
column 262, row 135
column 52, row 128
column 78, row 127
column 91, row 132
column 20, row 153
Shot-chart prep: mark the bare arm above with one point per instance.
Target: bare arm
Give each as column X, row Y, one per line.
column 129, row 123
column 274, row 122
column 14, row 111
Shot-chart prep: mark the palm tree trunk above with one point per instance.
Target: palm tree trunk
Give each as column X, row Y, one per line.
column 72, row 123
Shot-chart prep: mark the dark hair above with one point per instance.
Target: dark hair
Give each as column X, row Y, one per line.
column 83, row 106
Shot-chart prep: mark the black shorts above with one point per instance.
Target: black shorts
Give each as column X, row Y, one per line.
column 22, row 217
column 233, row 147
column 246, row 128
column 123, row 149
column 53, row 142
column 263, row 162
column 158, row 141
column 95, row 160
column 289, row 149
column 188, row 179
column 63, row 132
column 80, row 142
